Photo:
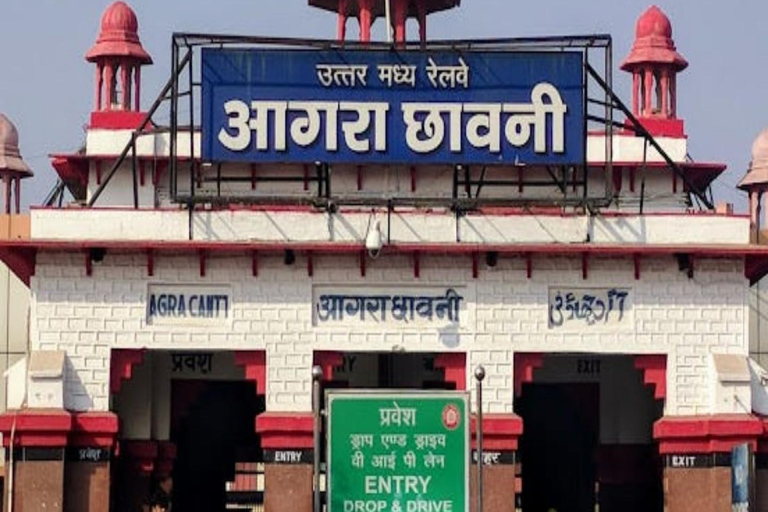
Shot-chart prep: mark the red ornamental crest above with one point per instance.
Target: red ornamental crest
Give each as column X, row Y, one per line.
column 451, row 417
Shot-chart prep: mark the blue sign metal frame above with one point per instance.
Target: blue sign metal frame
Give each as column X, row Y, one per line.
column 389, row 107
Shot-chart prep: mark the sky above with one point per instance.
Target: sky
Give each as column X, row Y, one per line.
column 46, row 86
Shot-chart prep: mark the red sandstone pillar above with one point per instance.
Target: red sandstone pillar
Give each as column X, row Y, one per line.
column 400, row 17
column 648, row 109
column 286, row 439
column 636, row 93
column 35, row 441
column 665, row 92
column 99, row 85
column 17, row 194
column 87, row 481
column 7, row 184
column 696, row 452
column 109, row 78
column 673, row 96
column 125, row 79
column 422, row 22
column 365, row 20
column 137, row 81
column 342, row 21
column 501, row 485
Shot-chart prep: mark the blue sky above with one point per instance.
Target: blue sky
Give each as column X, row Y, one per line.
column 46, row 87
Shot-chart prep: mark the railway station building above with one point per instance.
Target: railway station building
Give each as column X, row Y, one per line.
column 183, row 283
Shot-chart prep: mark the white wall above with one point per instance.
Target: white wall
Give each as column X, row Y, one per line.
column 505, row 312
column 405, row 226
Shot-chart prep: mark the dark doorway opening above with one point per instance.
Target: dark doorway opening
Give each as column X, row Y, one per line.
column 213, row 427
column 559, row 446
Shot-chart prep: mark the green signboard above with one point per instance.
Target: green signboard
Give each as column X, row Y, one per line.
column 398, row 452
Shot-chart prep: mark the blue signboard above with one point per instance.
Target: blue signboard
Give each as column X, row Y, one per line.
column 355, row 106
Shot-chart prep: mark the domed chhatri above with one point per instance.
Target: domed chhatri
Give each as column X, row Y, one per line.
column 12, row 168
column 757, row 174
column 119, row 56
column 119, row 36
column 10, row 155
column 654, row 63
column 654, row 43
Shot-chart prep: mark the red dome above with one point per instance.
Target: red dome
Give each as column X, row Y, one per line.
column 119, row 35
column 653, row 22
column 653, row 42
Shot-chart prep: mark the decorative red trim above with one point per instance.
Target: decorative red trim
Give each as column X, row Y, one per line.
column 359, row 178
column 94, row 429
column 529, row 265
column 21, row 262
column 48, row 428
column 706, row 434
column 203, row 256
column 255, row 364
column 20, row 254
column 654, row 368
column 88, row 263
column 500, row 431
column 116, row 119
column 454, row 365
column 475, row 265
column 328, row 361
column 617, row 178
column 285, row 430
column 141, row 454
column 121, row 367
column 150, row 262
column 525, row 365
column 636, row 261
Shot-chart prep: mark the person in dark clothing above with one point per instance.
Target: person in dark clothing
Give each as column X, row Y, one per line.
column 160, row 501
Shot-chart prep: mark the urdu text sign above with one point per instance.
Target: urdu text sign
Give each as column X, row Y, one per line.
column 406, row 452
column 428, row 107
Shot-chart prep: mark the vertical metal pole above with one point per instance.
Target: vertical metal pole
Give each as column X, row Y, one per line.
column 388, row 9
column 135, row 175
column 174, row 120
column 479, row 376
column 317, row 375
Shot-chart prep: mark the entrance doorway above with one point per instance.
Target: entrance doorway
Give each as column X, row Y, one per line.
column 370, row 370
column 561, row 435
column 212, row 427
column 588, row 437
